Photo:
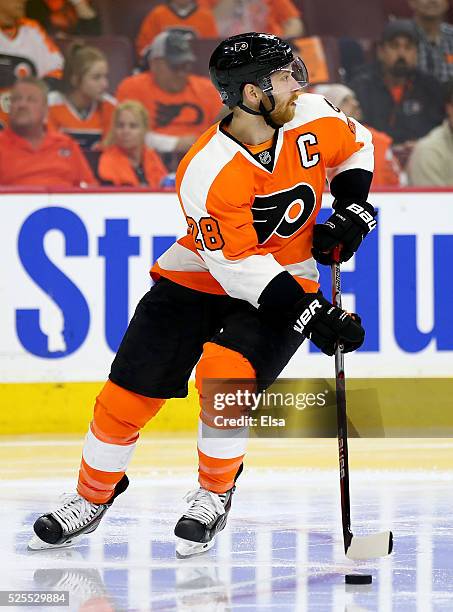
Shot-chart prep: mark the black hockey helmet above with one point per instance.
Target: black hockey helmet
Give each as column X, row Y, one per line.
column 251, row 58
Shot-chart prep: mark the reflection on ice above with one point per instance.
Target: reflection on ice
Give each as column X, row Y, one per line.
column 282, row 549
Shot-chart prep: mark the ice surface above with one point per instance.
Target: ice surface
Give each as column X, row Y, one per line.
column 282, row 549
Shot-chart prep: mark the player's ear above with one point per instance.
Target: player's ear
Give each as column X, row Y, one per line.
column 251, row 94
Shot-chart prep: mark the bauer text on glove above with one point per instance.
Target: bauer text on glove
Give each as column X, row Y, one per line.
column 348, row 226
column 326, row 325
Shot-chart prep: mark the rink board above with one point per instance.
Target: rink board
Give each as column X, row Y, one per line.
column 75, row 264
column 397, row 408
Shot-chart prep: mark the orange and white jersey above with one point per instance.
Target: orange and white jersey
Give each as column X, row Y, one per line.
column 31, row 43
column 87, row 130
column 25, row 50
column 251, row 210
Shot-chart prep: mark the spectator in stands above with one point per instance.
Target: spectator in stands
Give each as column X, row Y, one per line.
column 431, row 162
column 25, row 50
column 435, row 38
column 26, row 45
column 176, row 14
column 387, row 170
column 65, row 16
column 84, row 109
column 32, row 155
column 127, row 160
column 280, row 17
column 396, row 98
column 181, row 105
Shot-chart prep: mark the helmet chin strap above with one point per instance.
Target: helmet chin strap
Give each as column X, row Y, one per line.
column 263, row 112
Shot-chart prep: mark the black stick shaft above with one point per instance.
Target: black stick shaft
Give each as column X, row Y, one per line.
column 342, row 424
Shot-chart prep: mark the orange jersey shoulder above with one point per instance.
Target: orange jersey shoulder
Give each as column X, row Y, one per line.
column 33, row 43
column 162, row 17
column 250, row 216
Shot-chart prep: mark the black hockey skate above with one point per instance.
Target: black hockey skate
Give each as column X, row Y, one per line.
column 76, row 517
column 198, row 526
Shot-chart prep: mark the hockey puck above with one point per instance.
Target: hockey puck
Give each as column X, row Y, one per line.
column 358, row 579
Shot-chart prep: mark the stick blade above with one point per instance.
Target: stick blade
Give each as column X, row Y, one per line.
column 371, row 546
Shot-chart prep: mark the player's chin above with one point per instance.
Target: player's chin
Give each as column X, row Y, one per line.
column 287, row 115
column 280, row 117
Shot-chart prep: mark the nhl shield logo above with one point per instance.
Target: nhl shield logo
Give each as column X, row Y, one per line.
column 265, row 157
column 241, row 46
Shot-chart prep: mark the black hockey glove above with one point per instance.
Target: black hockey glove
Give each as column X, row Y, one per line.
column 348, row 225
column 326, row 325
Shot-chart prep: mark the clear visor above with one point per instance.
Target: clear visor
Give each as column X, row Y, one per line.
column 290, row 78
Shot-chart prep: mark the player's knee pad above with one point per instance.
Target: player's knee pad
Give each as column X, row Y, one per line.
column 221, row 364
column 119, row 414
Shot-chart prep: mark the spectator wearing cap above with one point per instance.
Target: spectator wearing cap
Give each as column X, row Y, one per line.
column 176, row 14
column 280, row 17
column 127, row 160
column 395, row 97
column 61, row 17
column 435, row 37
column 26, row 50
column 30, row 154
column 431, row 162
column 387, row 170
column 181, row 105
column 83, row 109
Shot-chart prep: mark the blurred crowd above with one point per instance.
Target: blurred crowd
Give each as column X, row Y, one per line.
column 114, row 92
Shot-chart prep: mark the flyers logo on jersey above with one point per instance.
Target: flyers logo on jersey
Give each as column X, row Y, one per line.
column 168, row 113
column 283, row 213
column 241, row 46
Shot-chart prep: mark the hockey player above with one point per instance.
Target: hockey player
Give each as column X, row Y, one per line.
column 240, row 292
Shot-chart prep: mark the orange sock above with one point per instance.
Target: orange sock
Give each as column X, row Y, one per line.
column 219, row 457
column 110, row 442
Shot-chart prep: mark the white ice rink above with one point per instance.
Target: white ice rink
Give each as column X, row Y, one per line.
column 281, row 550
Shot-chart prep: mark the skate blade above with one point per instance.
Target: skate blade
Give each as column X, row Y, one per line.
column 187, row 548
column 36, row 543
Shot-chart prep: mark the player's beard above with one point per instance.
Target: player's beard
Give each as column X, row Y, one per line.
column 283, row 113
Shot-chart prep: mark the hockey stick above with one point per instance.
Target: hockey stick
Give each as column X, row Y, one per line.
column 364, row 547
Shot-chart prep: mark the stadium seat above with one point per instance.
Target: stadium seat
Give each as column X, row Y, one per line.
column 401, row 9
column 323, row 67
column 396, row 8
column 332, row 54
column 203, row 49
column 124, row 17
column 326, row 18
column 119, row 52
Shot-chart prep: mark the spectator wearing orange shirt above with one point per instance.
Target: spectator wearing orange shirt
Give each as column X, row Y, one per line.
column 65, row 16
column 280, row 17
column 127, row 160
column 181, row 105
column 25, row 49
column 32, row 155
column 84, row 110
column 387, row 169
column 176, row 14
